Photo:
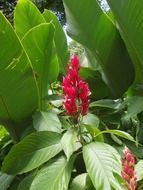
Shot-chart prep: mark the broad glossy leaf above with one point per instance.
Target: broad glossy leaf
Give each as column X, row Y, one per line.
column 129, row 16
column 91, row 122
column 119, row 133
column 26, row 182
column 5, row 181
column 70, row 142
column 139, row 170
column 18, row 91
column 31, row 152
column 135, row 105
column 94, row 131
column 38, row 43
column 55, row 176
column 106, row 103
column 101, row 161
column 82, row 182
column 96, row 84
column 26, row 16
column 46, row 121
column 79, row 182
column 59, row 39
column 94, row 30
column 90, row 119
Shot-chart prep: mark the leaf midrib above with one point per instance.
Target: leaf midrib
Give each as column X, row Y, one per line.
column 100, row 161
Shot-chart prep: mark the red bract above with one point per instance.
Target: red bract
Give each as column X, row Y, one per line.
column 76, row 91
column 128, row 172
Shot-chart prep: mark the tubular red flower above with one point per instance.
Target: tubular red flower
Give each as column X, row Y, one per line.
column 76, row 91
column 128, row 172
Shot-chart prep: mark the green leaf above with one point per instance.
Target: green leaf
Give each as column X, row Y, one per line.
column 94, row 131
column 16, row 73
column 102, row 38
column 70, row 142
column 3, row 132
column 82, row 182
column 135, row 105
column 46, row 121
column 56, row 175
column 26, row 182
column 38, row 43
column 105, row 103
column 90, row 119
column 59, row 39
column 119, row 133
column 91, row 122
column 31, row 152
column 5, row 181
column 79, row 182
column 139, row 170
column 130, row 28
column 26, row 16
column 96, row 84
column 101, row 161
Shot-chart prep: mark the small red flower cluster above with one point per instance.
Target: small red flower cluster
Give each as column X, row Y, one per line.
column 76, row 91
column 128, row 173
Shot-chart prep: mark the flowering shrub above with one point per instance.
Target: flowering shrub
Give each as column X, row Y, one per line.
column 46, row 148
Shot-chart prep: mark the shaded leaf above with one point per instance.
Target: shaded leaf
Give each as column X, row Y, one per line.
column 106, row 103
column 26, row 182
column 135, row 105
column 112, row 54
column 130, row 28
column 5, row 181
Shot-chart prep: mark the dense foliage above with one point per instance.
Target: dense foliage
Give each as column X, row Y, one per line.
column 65, row 121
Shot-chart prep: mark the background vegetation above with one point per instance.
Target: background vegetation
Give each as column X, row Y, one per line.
column 40, row 145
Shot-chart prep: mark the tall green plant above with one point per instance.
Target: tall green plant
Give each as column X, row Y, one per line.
column 27, row 68
column 80, row 146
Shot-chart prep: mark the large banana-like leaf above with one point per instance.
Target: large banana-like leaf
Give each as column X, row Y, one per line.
column 91, row 27
column 129, row 16
column 18, row 90
column 26, row 16
column 59, row 39
column 101, row 161
column 38, row 43
column 30, row 16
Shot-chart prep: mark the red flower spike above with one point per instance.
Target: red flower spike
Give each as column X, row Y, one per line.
column 128, row 172
column 76, row 91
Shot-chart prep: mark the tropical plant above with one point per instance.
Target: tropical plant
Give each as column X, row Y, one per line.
column 69, row 133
